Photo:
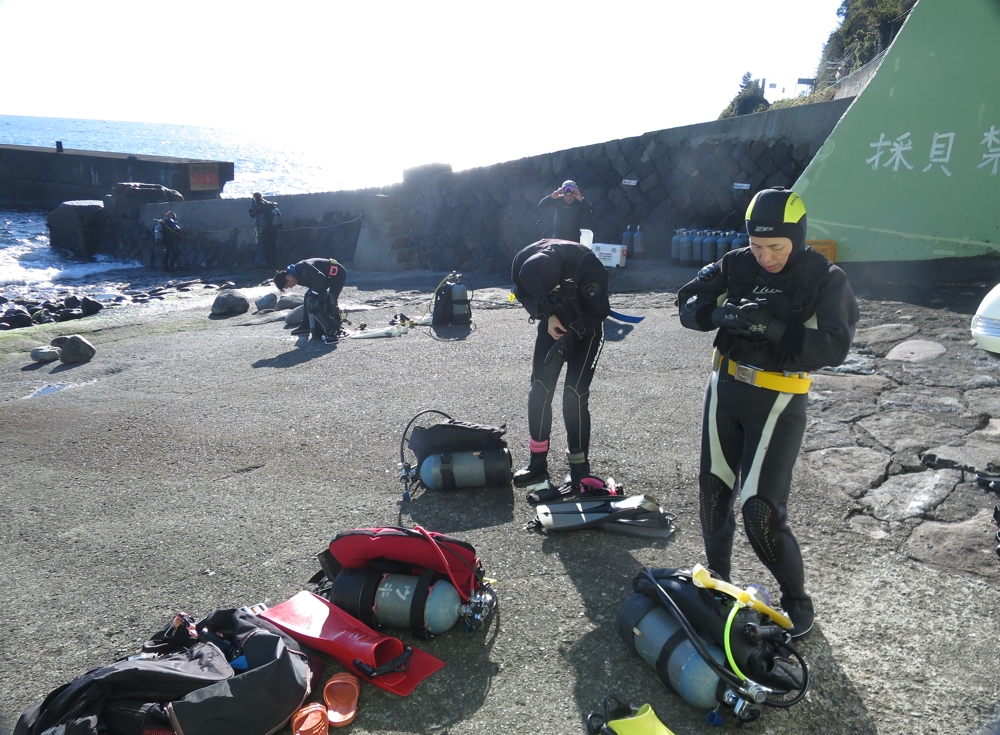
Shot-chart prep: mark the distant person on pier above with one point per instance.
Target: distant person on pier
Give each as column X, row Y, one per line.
column 267, row 218
column 569, row 206
column 167, row 234
column 324, row 278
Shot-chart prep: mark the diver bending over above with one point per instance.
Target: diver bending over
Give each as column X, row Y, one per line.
column 781, row 309
column 325, row 278
column 564, row 287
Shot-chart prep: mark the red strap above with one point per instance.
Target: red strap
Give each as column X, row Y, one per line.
column 461, row 592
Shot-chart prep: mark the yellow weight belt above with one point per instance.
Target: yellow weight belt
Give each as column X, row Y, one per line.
column 780, row 382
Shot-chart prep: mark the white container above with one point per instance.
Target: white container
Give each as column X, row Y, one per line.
column 612, row 256
column 587, row 237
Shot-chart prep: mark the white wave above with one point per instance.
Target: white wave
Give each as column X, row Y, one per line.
column 14, row 272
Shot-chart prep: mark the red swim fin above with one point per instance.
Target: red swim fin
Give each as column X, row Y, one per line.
column 378, row 659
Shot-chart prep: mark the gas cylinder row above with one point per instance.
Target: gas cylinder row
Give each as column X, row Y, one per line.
column 697, row 248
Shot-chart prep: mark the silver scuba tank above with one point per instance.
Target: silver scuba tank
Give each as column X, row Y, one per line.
column 486, row 468
column 158, row 233
column 394, row 597
column 276, row 218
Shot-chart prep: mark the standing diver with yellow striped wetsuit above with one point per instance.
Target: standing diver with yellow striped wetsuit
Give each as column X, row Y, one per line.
column 564, row 287
column 781, row 309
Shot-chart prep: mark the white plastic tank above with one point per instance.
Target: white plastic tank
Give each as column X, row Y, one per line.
column 587, row 237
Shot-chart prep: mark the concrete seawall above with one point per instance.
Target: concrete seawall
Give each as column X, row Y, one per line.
column 43, row 177
column 475, row 220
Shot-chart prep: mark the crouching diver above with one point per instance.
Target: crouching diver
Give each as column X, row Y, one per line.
column 564, row 287
column 325, row 278
column 781, row 309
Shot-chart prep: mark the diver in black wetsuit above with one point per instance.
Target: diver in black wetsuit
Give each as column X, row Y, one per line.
column 569, row 206
column 564, row 287
column 325, row 278
column 781, row 309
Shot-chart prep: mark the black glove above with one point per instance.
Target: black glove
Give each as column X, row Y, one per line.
column 762, row 321
column 556, row 355
column 733, row 318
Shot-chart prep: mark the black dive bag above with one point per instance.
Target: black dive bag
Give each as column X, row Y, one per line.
column 232, row 673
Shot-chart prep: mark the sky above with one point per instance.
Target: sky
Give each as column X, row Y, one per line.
column 465, row 83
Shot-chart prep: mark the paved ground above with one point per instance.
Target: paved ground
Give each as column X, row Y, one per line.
column 200, row 463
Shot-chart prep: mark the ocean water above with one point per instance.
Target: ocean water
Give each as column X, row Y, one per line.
column 30, row 269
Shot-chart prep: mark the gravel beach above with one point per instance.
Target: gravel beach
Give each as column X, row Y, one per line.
column 199, row 462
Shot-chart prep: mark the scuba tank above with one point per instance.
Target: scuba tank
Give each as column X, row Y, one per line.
column 276, row 218
column 712, row 643
column 675, row 248
column 486, row 468
column 685, row 249
column 451, row 301
column 627, row 239
column 708, row 248
column 158, row 233
column 387, row 600
column 723, row 244
column 638, row 249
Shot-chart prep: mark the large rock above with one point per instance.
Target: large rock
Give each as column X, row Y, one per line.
column 267, row 301
column 289, row 301
column 76, row 349
column 45, row 354
column 90, row 306
column 295, row 315
column 74, row 226
column 899, row 430
column 230, row 301
column 969, row 546
column 911, row 495
column 851, row 469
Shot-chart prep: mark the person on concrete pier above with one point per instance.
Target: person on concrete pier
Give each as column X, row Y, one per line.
column 781, row 310
column 570, row 208
column 167, row 234
column 324, row 278
column 267, row 219
column 564, row 287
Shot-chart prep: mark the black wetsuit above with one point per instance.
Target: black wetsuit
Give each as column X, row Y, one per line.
column 173, row 233
column 751, row 435
column 567, row 219
column 325, row 279
column 581, row 303
column 267, row 231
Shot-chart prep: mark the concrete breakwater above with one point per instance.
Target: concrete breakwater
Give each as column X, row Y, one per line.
column 475, row 220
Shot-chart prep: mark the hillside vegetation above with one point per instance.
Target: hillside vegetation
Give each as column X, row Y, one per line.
column 866, row 30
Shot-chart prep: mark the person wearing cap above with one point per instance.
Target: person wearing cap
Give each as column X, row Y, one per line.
column 570, row 207
column 324, row 278
column 171, row 233
column 564, row 287
column 266, row 220
column 781, row 310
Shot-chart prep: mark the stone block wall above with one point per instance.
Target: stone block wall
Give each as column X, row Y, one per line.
column 476, row 220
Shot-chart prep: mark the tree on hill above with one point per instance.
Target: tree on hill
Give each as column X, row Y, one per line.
column 867, row 29
column 749, row 99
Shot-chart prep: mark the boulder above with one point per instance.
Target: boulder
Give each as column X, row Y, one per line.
column 295, row 315
column 267, row 301
column 230, row 301
column 289, row 301
column 76, row 349
column 59, row 341
column 67, row 315
column 912, row 495
column 45, row 354
column 74, row 226
column 90, row 306
column 17, row 319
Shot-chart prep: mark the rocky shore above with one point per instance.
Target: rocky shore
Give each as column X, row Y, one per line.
column 200, row 462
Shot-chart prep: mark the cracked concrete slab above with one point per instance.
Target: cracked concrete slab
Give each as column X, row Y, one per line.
column 967, row 546
column 966, row 501
column 822, row 434
column 851, row 469
column 916, row 350
column 899, row 430
column 910, row 496
column 971, row 456
column 883, row 335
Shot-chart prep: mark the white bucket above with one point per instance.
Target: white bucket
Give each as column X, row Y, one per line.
column 586, row 237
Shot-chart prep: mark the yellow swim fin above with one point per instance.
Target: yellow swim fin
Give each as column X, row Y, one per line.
column 643, row 722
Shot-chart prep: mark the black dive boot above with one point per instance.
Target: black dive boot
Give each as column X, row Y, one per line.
column 568, row 490
column 536, row 471
column 800, row 610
